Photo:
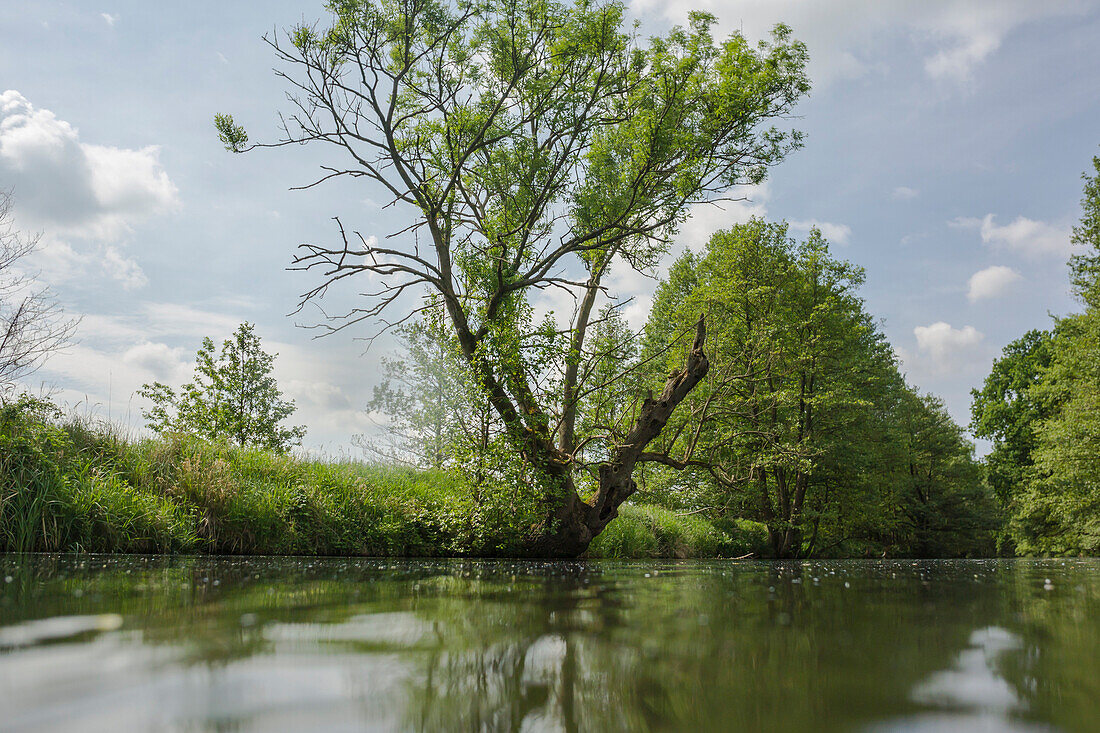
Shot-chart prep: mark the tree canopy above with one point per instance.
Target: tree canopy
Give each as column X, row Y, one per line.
column 233, row 398
column 1040, row 405
column 803, row 422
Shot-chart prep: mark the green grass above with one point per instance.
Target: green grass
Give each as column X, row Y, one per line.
column 653, row 531
column 70, row 485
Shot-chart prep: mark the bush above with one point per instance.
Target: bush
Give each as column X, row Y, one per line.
column 58, row 494
column 653, row 531
column 745, row 537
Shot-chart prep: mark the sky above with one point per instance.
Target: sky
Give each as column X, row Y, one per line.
column 945, row 143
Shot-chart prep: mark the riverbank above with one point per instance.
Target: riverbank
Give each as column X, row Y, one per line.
column 70, row 485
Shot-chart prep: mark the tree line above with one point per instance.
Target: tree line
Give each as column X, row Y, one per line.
column 803, row 422
column 537, row 147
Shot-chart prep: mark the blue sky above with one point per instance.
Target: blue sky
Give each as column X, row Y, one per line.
column 945, row 143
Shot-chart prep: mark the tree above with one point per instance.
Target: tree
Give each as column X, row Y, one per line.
column 1040, row 405
column 1008, row 412
column 233, row 397
column 795, row 360
column 1085, row 267
column 1058, row 510
column 945, row 511
column 434, row 417
column 535, row 144
column 803, row 422
column 32, row 324
column 1065, row 495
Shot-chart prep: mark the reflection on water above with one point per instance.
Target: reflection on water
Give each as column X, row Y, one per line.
column 264, row 644
column 972, row 695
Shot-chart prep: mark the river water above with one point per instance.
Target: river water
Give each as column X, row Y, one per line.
column 103, row 643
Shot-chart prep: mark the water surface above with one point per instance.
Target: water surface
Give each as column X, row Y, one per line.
column 103, row 643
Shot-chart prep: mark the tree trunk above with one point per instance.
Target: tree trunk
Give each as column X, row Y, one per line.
column 573, row 523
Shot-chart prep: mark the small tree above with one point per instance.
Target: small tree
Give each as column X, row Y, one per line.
column 426, row 394
column 31, row 322
column 233, row 397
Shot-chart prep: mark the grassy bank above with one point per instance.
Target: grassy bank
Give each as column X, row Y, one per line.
column 67, row 485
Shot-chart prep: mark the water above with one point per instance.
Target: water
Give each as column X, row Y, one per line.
column 103, row 643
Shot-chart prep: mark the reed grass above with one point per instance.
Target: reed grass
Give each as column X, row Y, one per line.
column 70, row 484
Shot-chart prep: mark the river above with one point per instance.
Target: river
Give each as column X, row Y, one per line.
column 128, row 643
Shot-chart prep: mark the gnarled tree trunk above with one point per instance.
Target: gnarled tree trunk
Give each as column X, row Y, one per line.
column 574, row 523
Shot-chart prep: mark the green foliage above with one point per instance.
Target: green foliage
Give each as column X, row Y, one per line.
column 70, row 485
column 540, row 144
column 437, row 416
column 1007, row 412
column 652, row 531
column 1058, row 511
column 60, row 493
column 1085, row 267
column 231, row 134
column 946, row 510
column 803, row 422
column 234, row 397
column 1040, row 405
column 611, row 384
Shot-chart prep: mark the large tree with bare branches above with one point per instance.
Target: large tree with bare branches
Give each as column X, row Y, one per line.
column 32, row 324
column 537, row 144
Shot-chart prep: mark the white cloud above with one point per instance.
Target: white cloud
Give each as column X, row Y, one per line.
column 69, row 187
column 705, row 219
column 844, row 36
column 945, row 344
column 1023, row 236
column 109, row 19
column 58, row 262
column 185, row 320
column 966, row 50
column 164, row 363
column 834, row 233
column 991, row 282
column 123, row 269
column 904, row 193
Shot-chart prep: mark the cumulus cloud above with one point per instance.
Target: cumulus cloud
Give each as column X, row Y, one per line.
column 1022, row 236
column 69, row 187
column 164, row 363
column 945, row 344
column 835, row 233
column 109, row 19
column 904, row 193
column 844, row 36
column 991, row 282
